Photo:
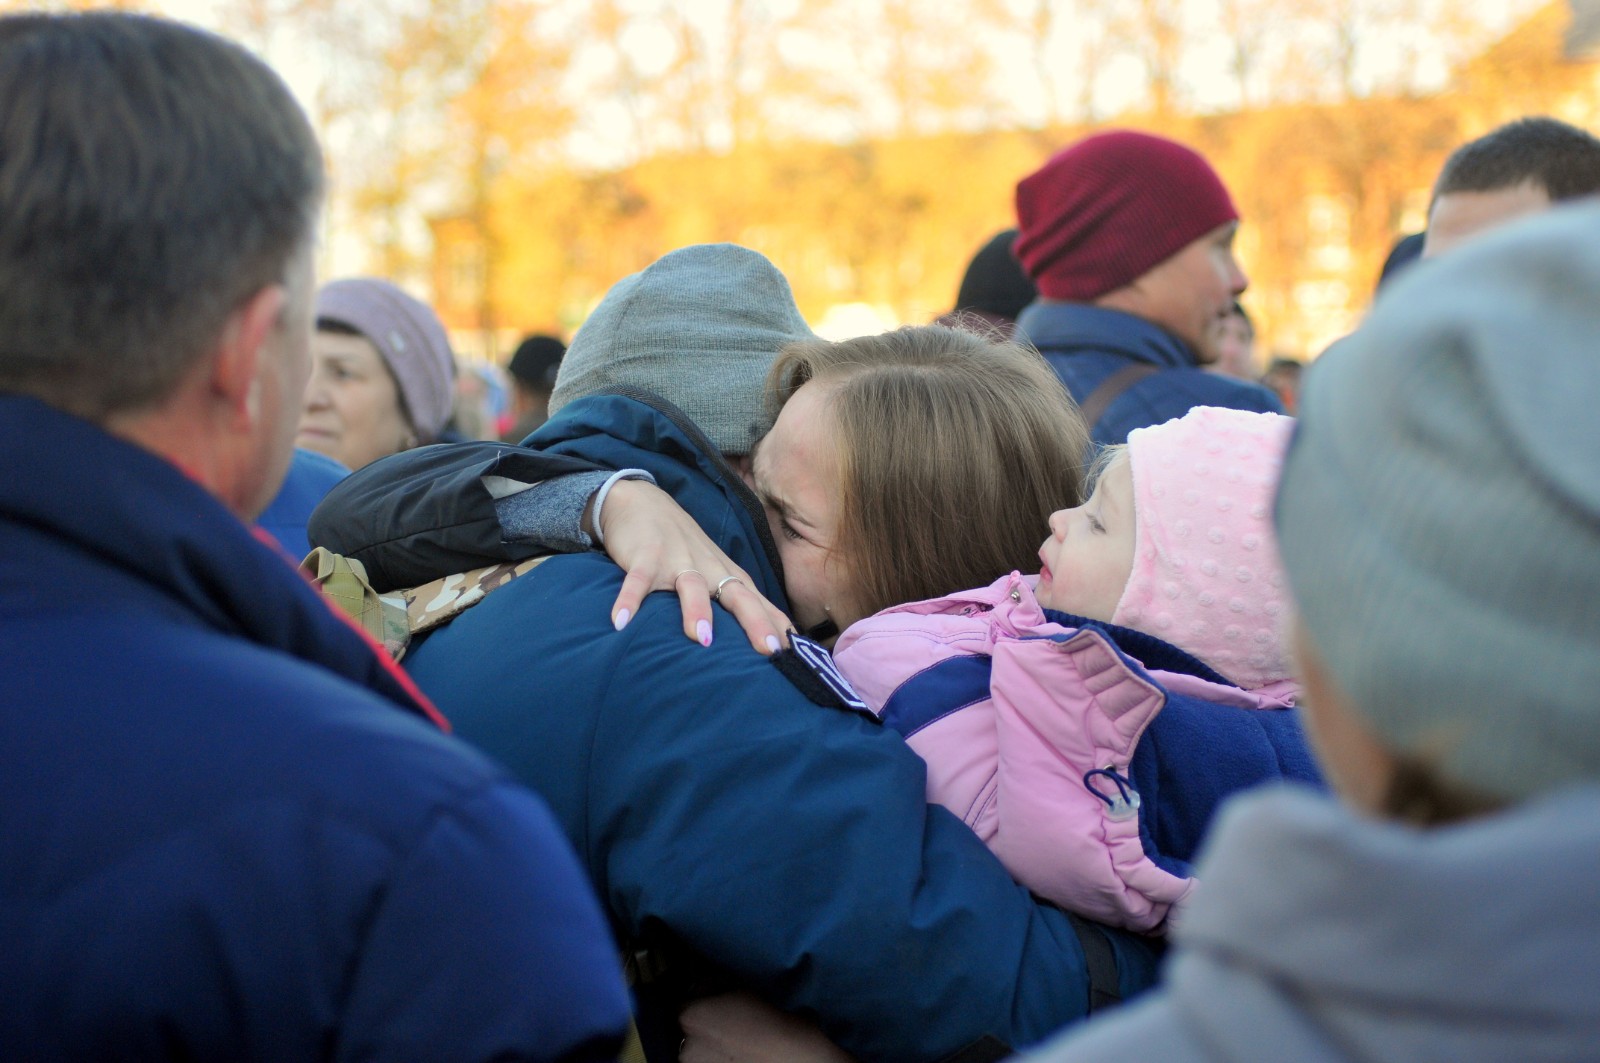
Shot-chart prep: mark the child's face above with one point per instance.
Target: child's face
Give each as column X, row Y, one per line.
column 1089, row 555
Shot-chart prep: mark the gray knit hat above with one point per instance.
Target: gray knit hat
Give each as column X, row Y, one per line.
column 409, row 336
column 1439, row 513
column 700, row 327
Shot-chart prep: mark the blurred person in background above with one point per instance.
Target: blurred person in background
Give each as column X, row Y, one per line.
column 1406, row 251
column 1129, row 238
column 1521, row 168
column 478, row 405
column 1283, row 377
column 1230, row 346
column 533, row 378
column 382, row 377
column 994, row 288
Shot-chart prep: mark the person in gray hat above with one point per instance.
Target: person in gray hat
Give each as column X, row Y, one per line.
column 1439, row 518
column 382, row 373
column 748, row 822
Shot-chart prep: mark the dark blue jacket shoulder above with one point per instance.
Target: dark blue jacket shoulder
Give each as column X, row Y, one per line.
column 1086, row 345
column 229, row 830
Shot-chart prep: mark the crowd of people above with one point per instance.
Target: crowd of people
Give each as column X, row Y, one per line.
column 1026, row 682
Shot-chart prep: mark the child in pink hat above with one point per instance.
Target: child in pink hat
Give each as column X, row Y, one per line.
column 1187, row 506
column 1086, row 723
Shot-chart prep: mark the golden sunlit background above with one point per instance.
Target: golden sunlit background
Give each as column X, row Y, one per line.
column 510, row 159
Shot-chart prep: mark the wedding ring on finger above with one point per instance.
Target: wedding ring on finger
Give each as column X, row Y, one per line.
column 684, row 572
column 716, row 595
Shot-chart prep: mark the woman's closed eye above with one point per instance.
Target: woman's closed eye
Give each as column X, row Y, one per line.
column 1094, row 524
column 776, row 518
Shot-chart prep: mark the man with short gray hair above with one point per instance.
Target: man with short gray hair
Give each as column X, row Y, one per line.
column 230, row 830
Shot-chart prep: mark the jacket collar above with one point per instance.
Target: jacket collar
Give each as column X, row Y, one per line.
column 1056, row 326
column 133, row 510
column 628, row 428
column 1146, row 650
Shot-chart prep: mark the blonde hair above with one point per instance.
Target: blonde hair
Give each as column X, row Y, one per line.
column 1101, row 463
column 953, row 452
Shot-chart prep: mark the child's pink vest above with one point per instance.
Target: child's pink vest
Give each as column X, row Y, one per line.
column 1061, row 705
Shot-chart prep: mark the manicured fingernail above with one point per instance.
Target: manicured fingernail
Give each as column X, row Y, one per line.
column 620, row 621
column 773, row 644
column 703, row 629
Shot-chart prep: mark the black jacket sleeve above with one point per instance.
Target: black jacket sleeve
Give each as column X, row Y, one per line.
column 425, row 513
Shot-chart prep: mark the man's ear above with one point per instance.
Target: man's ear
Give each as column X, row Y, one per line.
column 744, row 465
column 236, row 364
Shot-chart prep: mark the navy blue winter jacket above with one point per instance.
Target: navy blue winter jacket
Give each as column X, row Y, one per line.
column 730, row 824
column 310, row 477
column 1086, row 344
column 227, row 831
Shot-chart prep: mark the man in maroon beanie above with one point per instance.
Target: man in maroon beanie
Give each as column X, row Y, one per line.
column 1129, row 238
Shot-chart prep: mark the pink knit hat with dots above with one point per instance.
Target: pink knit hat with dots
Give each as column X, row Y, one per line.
column 1206, row 575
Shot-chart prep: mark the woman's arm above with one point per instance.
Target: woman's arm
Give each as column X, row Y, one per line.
column 438, row 510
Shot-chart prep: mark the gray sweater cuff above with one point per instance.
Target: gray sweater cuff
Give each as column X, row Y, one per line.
column 550, row 513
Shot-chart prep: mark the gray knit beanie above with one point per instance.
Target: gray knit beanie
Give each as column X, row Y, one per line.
column 700, row 327
column 1439, row 513
column 409, row 336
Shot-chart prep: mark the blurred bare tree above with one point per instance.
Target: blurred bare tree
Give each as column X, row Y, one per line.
column 521, row 155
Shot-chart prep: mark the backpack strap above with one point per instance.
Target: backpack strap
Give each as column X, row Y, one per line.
column 1105, row 988
column 394, row 620
column 342, row 582
column 1110, row 389
column 437, row 603
column 987, row 1049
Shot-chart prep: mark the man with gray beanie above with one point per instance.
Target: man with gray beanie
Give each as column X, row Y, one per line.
column 1439, row 518
column 747, row 824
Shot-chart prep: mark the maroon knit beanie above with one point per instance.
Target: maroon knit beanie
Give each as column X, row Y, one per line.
column 1102, row 212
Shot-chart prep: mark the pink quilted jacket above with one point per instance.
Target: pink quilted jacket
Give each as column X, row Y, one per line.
column 1012, row 761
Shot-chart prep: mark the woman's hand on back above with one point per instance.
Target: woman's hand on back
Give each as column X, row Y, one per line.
column 662, row 549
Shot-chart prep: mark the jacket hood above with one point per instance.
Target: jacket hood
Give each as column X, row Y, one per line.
column 628, row 428
column 1477, row 941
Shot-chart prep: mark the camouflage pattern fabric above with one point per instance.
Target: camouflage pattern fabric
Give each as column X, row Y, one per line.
column 394, row 619
column 443, row 600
